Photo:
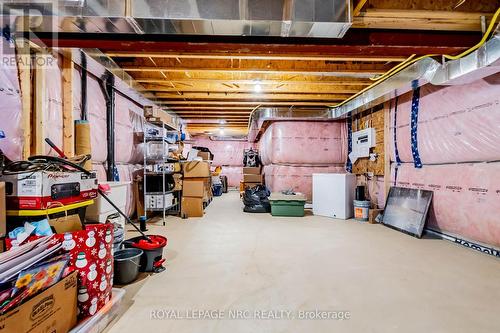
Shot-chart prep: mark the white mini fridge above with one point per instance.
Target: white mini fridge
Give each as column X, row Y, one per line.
column 333, row 194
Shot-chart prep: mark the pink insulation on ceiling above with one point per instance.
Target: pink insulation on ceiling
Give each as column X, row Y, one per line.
column 455, row 123
column 10, row 104
column 228, row 152
column 304, row 143
column 96, row 108
column 466, row 200
column 234, row 175
column 298, row 178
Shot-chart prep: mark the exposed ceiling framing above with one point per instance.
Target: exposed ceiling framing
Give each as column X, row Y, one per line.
column 226, row 78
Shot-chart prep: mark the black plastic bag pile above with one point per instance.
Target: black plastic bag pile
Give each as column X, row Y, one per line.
column 256, row 200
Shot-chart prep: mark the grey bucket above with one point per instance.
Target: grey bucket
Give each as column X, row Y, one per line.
column 361, row 210
column 126, row 265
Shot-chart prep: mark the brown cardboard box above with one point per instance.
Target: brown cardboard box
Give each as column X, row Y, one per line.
column 196, row 169
column 3, row 217
column 53, row 310
column 178, row 181
column 250, row 185
column 248, row 178
column 192, row 207
column 372, row 215
column 205, row 155
column 193, row 187
column 251, row 170
column 155, row 112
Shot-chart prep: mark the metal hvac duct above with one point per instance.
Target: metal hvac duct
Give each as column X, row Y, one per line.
column 304, row 18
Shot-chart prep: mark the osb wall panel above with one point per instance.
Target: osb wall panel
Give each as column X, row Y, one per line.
column 373, row 118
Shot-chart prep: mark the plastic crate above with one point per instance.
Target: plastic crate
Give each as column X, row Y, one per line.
column 98, row 322
column 287, row 208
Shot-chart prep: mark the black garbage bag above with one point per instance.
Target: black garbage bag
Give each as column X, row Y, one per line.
column 256, row 200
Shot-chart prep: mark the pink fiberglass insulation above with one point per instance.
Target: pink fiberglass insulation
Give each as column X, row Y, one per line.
column 299, row 178
column 125, row 172
column 466, row 198
column 100, row 171
column 304, row 143
column 234, row 175
column 126, row 113
column 374, row 189
column 53, row 115
column 455, row 123
column 228, row 152
column 96, row 108
column 10, row 106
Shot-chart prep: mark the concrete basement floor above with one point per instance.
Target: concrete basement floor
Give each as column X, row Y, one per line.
column 388, row 281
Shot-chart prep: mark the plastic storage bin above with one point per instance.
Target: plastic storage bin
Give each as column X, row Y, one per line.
column 98, row 322
column 101, row 209
column 287, row 205
column 217, row 190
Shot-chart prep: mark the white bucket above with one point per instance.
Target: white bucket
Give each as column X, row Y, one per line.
column 101, row 209
column 361, row 210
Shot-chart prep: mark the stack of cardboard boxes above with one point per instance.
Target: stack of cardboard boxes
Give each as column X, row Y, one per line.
column 251, row 176
column 196, row 188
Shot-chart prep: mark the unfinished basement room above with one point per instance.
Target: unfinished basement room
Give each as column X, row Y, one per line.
column 248, row 166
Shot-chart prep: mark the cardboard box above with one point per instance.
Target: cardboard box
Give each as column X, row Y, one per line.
column 178, row 182
column 205, row 155
column 194, row 187
column 53, row 310
column 252, row 170
column 250, row 185
column 192, row 207
column 3, row 209
column 196, row 169
column 43, row 189
column 251, row 178
column 372, row 215
column 151, row 111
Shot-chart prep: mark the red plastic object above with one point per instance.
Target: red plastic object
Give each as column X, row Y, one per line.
column 159, row 263
column 157, row 242
column 105, row 188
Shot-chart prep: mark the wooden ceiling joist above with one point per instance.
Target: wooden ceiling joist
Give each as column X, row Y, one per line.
column 263, row 79
column 236, row 103
column 252, row 96
column 277, row 88
column 253, row 56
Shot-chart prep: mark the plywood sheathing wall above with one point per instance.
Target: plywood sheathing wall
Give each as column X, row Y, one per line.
column 371, row 118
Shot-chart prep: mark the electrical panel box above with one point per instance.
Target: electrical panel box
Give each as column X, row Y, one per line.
column 362, row 141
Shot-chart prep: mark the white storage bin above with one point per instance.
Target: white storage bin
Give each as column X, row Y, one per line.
column 101, row 209
column 98, row 322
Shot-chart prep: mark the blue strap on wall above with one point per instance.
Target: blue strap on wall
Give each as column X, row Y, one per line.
column 414, row 126
column 348, row 164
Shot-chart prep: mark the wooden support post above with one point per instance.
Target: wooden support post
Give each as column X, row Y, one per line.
column 23, row 59
column 68, row 121
column 387, row 150
column 40, row 106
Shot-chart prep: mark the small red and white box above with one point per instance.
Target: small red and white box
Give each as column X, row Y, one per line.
column 45, row 189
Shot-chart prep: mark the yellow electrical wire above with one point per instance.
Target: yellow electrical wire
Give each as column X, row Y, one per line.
column 481, row 42
column 409, row 62
column 401, row 64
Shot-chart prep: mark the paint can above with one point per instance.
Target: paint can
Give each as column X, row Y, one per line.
column 361, row 210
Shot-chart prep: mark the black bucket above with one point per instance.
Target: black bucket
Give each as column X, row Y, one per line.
column 127, row 263
column 152, row 259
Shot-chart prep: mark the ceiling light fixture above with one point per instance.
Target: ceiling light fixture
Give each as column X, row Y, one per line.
column 221, row 131
column 257, row 87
